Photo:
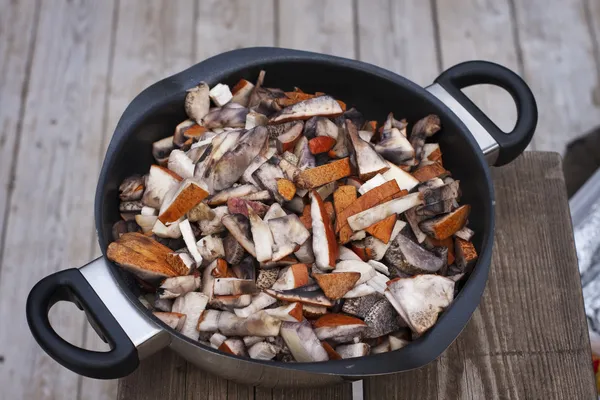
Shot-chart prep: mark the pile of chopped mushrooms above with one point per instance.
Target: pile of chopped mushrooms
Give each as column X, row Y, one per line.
column 281, row 225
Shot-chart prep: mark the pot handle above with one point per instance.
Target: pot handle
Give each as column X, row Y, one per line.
column 92, row 289
column 499, row 147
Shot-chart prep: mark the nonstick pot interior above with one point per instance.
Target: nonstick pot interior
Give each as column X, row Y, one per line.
column 375, row 93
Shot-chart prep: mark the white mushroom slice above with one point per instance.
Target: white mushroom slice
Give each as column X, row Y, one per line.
column 250, row 341
column 262, row 195
column 181, row 164
column 239, row 227
column 208, row 279
column 379, row 267
column 275, row 211
column 366, row 218
column 295, row 205
column 404, row 180
column 290, row 313
column 378, row 282
column 258, row 161
column 161, row 230
column 353, row 350
column 325, row 106
column 324, row 242
column 267, row 176
column 414, row 220
column 171, row 319
column 210, row 248
column 383, row 347
column 179, row 285
column 287, row 140
column 259, row 302
column 306, row 159
column 288, row 233
column 358, row 235
column 209, row 169
column 214, row 225
column 263, row 351
column 359, row 291
column 366, row 271
column 241, row 92
column 372, row 183
column 181, row 199
column 305, row 253
column 290, row 157
column 366, row 135
column 292, row 277
column 464, row 233
column 227, row 303
column 394, row 145
column 146, row 222
column 200, row 212
column 261, row 236
column 326, row 127
column 161, row 150
column 209, row 321
column 347, row 254
column 316, row 297
column 302, row 342
column 221, row 197
column 234, row 346
column 150, row 211
column 197, row 102
column 420, row 299
column 233, row 286
column 431, row 152
column 231, row 115
column 131, row 206
column 254, row 119
column 338, row 327
column 190, row 240
column 231, row 166
column 217, row 340
column 191, row 304
column 220, row 94
column 158, row 183
column 411, row 258
column 396, row 343
column 326, row 190
column 368, row 162
column 258, row 324
column 163, row 304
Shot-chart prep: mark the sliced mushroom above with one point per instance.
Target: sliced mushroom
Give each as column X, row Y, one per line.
column 295, row 205
column 176, row 286
column 464, row 233
column 292, row 277
column 182, row 262
column 411, row 258
column 201, row 212
column 378, row 282
column 262, row 195
column 360, row 306
column 267, row 176
column 338, row 327
column 233, row 163
column 381, row 319
column 444, row 226
column 423, row 129
column 217, row 340
column 261, row 236
column 209, row 321
column 275, row 211
column 239, row 227
column 405, row 180
column 215, row 224
column 379, row 267
column 197, row 102
column 306, row 159
column 230, row 302
column 232, row 115
column 258, row 161
column 241, row 92
column 335, row 286
column 353, row 350
column 434, row 209
column 305, row 253
column 159, row 182
column 413, row 220
column 181, row 200
column 317, row 106
column 132, row 188
column 234, row 252
column 234, row 346
column 172, row 319
column 373, row 248
column 420, row 299
column 164, row 305
column 221, row 197
column 240, row 206
column 233, row 287
column 220, row 94
column 259, row 302
column 131, row 206
column 302, row 342
column 316, row 297
column 266, row 278
column 311, row 311
column 368, row 162
column 210, row 248
column 324, row 242
column 375, row 214
column 288, row 233
column 288, row 313
column 287, row 140
column 394, row 145
column 161, row 150
column 263, row 351
column 258, row 324
column 372, row 183
column 465, row 254
column 191, row 304
column 347, row 254
column 254, row 119
column 190, row 240
column 361, row 290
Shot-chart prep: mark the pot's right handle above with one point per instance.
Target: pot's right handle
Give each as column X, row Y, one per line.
column 499, row 147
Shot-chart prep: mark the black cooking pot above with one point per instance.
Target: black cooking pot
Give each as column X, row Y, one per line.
column 469, row 141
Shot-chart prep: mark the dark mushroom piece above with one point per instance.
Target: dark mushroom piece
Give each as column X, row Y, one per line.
column 423, row 129
column 161, row 150
column 231, row 115
column 411, row 258
column 394, row 146
column 132, row 188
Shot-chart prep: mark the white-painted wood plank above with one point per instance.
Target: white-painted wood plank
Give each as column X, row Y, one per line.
column 399, row 36
column 153, row 39
column 17, row 30
column 224, row 25
column 561, row 68
column 50, row 224
column 481, row 30
column 324, row 26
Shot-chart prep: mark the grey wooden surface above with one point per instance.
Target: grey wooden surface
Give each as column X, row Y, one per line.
column 69, row 68
column 527, row 340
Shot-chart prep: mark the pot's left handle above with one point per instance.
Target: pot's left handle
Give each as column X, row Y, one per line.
column 130, row 335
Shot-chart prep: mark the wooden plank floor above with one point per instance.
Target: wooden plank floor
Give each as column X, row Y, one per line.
column 69, row 68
